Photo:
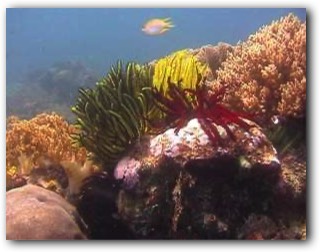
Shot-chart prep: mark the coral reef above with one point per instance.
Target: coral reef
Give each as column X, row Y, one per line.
column 292, row 188
column 213, row 56
column 28, row 100
column 29, row 141
column 171, row 173
column 294, row 175
column 192, row 143
column 44, row 135
column 261, row 227
column 49, row 89
column 49, row 175
column 114, row 115
column 215, row 173
column 266, row 74
column 14, row 178
column 203, row 192
column 64, row 78
column 206, row 143
column 180, row 104
column 97, row 205
column 77, row 173
column 287, row 134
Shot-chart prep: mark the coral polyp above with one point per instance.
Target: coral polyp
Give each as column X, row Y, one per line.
column 182, row 104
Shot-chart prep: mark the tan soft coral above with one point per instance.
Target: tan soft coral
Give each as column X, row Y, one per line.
column 44, row 135
column 266, row 74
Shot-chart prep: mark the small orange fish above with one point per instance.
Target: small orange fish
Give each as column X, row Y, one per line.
column 157, row 26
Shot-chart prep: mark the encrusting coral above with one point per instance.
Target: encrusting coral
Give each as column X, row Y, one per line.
column 266, row 75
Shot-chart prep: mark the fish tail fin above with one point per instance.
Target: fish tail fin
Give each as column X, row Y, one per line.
column 168, row 22
column 164, row 30
column 168, row 19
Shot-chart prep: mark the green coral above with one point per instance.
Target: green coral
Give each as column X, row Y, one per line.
column 114, row 115
column 180, row 67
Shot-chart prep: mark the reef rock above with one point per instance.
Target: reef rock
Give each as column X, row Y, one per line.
column 181, row 185
column 190, row 143
column 34, row 213
column 261, row 227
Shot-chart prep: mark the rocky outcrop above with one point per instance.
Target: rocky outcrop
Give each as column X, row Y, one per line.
column 34, row 213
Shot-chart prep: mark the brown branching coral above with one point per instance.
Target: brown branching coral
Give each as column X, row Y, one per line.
column 266, row 75
column 44, row 135
column 213, row 56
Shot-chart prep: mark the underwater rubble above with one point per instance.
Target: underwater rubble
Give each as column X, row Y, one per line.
column 189, row 146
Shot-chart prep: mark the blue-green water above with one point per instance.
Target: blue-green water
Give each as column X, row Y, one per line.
column 38, row 38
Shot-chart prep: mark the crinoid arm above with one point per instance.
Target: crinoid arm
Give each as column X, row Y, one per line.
column 113, row 116
column 210, row 130
column 175, row 105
